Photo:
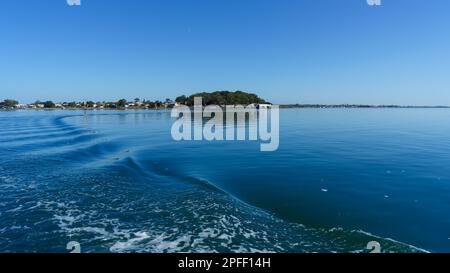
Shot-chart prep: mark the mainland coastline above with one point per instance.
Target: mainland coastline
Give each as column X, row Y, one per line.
column 220, row 98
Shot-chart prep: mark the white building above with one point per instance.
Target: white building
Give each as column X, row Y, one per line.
column 264, row 106
column 21, row 106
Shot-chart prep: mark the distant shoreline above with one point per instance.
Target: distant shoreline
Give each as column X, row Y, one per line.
column 219, row 98
column 282, row 106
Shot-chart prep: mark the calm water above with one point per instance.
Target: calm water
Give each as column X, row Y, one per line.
column 116, row 181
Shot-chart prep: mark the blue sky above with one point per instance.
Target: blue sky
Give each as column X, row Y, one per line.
column 289, row 51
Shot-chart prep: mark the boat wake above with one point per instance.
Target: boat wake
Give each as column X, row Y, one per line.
column 71, row 183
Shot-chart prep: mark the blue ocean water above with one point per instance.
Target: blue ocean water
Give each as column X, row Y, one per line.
column 115, row 181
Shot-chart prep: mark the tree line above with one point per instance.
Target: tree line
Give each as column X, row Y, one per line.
column 221, row 98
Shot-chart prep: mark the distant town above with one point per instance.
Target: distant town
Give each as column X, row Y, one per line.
column 120, row 104
column 211, row 98
column 217, row 98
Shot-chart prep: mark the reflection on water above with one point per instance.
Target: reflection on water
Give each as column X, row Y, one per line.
column 230, row 123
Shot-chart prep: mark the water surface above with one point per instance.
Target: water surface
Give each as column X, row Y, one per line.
column 116, row 181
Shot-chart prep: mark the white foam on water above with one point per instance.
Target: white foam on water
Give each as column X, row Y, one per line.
column 130, row 244
column 394, row 241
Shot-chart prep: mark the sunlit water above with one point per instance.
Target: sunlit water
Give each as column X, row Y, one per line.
column 116, row 181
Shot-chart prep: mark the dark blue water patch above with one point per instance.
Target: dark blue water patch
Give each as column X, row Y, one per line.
column 56, row 141
column 29, row 130
column 90, row 152
column 41, row 134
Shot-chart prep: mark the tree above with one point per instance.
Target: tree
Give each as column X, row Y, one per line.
column 122, row 103
column 181, row 99
column 222, row 98
column 72, row 104
column 9, row 103
column 90, row 104
column 49, row 104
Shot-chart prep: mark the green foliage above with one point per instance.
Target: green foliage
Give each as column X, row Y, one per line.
column 222, row 98
column 9, row 103
column 49, row 104
column 90, row 104
column 122, row 103
column 181, row 99
column 72, row 104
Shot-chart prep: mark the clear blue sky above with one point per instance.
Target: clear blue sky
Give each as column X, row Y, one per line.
column 306, row 51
